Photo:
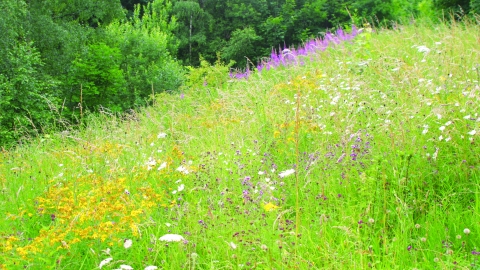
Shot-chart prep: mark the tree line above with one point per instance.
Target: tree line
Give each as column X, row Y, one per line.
column 60, row 59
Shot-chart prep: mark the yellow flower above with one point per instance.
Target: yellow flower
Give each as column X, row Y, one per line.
column 270, row 207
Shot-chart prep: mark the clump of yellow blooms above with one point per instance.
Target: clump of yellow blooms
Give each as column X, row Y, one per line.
column 89, row 210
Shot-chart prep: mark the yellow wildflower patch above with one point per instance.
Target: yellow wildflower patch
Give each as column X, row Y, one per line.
column 86, row 211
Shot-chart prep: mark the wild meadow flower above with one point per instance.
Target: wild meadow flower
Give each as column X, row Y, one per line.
column 183, row 170
column 423, row 49
column 466, row 231
column 151, row 267
column 127, row 243
column 162, row 166
column 171, row 238
column 232, row 245
column 286, row 173
column 473, row 132
column 104, row 262
column 125, row 267
column 270, row 207
column 161, row 135
column 151, row 163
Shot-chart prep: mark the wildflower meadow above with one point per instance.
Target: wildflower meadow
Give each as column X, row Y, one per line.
column 358, row 150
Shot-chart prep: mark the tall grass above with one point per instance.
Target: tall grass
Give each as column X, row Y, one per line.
column 381, row 133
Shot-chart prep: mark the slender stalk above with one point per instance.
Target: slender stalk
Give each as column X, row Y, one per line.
column 297, row 154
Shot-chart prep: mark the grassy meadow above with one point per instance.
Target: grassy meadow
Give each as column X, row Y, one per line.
column 365, row 156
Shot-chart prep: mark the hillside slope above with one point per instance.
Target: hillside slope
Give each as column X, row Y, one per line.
column 365, row 155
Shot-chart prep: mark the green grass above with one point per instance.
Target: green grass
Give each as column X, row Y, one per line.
column 379, row 134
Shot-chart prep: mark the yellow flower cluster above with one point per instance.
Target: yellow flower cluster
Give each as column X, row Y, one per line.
column 89, row 210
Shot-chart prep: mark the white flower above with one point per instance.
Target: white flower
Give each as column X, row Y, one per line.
column 168, row 224
column 425, row 131
column 181, row 187
column 448, row 123
column 127, row 243
column 161, row 135
column 151, row 163
column 183, row 170
column 423, row 49
column 286, row 173
column 106, row 261
column 261, row 172
column 434, row 156
column 440, row 138
column 171, row 238
column 466, row 231
column 467, row 117
column 126, row 267
column 151, row 267
column 473, row 132
column 162, row 166
column 448, row 139
column 232, row 245
column 439, row 116
column 442, row 128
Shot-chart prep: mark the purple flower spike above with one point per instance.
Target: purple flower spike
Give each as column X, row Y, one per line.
column 290, row 56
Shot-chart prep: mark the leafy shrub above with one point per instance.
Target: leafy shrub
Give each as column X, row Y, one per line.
column 97, row 79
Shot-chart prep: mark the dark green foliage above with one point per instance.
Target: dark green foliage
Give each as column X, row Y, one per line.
column 242, row 43
column 26, row 94
column 475, row 6
column 59, row 58
column 462, row 6
column 193, row 23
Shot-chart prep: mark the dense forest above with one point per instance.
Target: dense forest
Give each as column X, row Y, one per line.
column 61, row 59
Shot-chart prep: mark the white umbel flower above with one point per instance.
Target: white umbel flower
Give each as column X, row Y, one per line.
column 171, row 238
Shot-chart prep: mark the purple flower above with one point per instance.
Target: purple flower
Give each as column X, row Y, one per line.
column 409, row 248
column 289, row 56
